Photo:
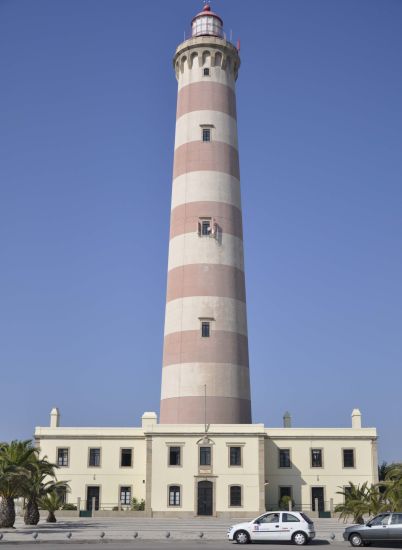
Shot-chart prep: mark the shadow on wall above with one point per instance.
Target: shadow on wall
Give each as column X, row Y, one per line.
column 281, row 479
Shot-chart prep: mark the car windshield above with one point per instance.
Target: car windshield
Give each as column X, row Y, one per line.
column 379, row 520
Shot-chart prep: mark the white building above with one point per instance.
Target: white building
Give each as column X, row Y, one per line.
column 233, row 469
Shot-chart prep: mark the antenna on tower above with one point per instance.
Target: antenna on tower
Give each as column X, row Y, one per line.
column 206, row 426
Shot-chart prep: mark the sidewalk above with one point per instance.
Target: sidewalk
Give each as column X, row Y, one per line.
column 123, row 529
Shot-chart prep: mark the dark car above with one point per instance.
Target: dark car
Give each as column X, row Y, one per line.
column 382, row 528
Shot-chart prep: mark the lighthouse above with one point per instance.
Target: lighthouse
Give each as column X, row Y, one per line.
column 205, row 374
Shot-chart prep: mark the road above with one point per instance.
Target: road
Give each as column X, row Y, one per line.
column 175, row 544
column 156, row 545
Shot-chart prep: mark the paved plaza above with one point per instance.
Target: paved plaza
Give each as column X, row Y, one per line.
column 180, row 545
column 143, row 529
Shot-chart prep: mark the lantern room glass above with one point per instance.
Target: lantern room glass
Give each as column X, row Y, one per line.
column 207, row 25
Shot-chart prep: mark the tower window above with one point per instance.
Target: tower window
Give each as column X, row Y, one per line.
column 206, row 134
column 205, row 227
column 206, row 72
column 205, row 329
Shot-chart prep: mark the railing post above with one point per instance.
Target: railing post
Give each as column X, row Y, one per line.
column 78, row 504
column 316, row 505
column 290, row 505
column 93, row 506
column 331, row 506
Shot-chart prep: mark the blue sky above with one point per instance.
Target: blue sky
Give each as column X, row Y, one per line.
column 87, row 113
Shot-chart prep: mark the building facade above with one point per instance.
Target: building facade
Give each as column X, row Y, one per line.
column 232, row 470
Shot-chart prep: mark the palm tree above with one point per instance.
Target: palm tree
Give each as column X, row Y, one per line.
column 393, row 487
column 375, row 500
column 355, row 502
column 51, row 502
column 36, row 487
column 14, row 460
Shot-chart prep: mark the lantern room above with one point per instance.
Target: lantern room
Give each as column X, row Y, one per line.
column 207, row 23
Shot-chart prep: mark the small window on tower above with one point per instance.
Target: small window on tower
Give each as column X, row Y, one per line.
column 205, row 329
column 206, row 134
column 205, row 228
column 206, row 72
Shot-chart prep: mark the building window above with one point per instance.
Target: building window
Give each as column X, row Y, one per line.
column 284, row 458
column 205, row 329
column 174, row 495
column 94, row 457
column 205, row 456
column 235, row 495
column 348, row 458
column 235, row 456
column 206, row 134
column 62, row 457
column 126, row 458
column 206, row 72
column 174, row 456
column 316, row 458
column 125, row 496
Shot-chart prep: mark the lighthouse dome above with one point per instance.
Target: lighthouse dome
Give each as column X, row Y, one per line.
column 207, row 23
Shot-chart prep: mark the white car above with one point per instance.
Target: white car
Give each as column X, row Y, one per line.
column 279, row 526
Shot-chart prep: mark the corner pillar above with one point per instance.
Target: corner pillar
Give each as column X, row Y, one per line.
column 148, row 477
column 261, row 474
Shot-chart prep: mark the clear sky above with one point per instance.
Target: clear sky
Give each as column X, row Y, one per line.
column 87, row 113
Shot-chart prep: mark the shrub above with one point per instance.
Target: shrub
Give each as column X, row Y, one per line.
column 284, row 502
column 137, row 505
column 69, row 507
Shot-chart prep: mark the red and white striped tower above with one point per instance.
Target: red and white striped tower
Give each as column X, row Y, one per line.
column 205, row 345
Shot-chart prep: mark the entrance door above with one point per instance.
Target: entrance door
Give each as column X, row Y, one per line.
column 205, row 499
column 92, row 492
column 317, row 493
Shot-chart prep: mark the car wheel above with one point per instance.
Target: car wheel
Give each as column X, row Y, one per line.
column 242, row 537
column 300, row 538
column 355, row 539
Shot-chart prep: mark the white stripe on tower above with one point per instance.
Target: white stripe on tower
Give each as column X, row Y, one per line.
column 206, row 271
